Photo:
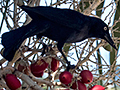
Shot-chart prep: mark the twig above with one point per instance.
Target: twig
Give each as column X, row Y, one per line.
column 4, row 14
column 30, row 82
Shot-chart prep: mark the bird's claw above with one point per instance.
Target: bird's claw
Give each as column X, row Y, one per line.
column 70, row 67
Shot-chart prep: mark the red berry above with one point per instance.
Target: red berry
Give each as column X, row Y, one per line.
column 38, row 66
column 81, row 86
column 38, row 74
column 86, row 76
column 66, row 77
column 97, row 87
column 54, row 64
column 23, row 69
column 12, row 82
column 20, row 67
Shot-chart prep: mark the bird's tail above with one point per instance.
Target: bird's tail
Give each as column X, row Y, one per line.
column 13, row 39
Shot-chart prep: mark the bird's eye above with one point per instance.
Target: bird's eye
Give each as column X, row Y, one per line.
column 105, row 28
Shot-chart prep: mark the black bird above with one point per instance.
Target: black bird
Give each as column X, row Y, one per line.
column 61, row 25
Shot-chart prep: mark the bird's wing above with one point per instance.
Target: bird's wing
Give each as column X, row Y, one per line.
column 66, row 17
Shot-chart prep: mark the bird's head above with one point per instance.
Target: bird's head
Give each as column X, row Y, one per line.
column 101, row 30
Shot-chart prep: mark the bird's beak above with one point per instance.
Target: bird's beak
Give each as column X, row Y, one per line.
column 110, row 41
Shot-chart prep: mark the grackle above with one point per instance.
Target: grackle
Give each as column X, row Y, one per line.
column 61, row 25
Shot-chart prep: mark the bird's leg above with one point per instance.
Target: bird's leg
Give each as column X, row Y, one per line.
column 59, row 46
column 45, row 48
